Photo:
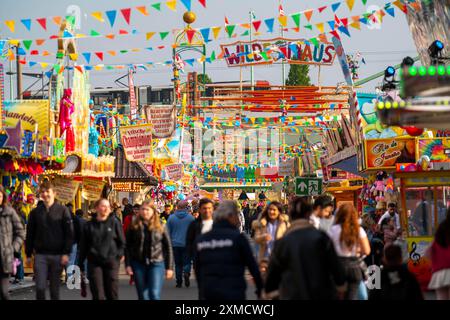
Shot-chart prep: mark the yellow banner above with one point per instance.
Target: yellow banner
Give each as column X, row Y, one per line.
column 34, row 114
column 92, row 189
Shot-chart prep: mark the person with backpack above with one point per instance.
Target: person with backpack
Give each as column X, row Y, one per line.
column 12, row 235
column 102, row 244
column 148, row 254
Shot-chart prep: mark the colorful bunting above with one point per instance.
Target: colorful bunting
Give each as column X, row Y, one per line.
column 364, row 2
column 27, row 44
column 187, row 4
column 11, row 24
column 172, row 5
column 256, row 25
column 73, row 56
column 215, row 31
column 126, row 13
column 149, row 35
column 308, row 26
column 331, row 24
column 296, row 18
column 320, row 27
column 390, row 11
column 350, row 4
column 245, row 33
column 27, row 23
column 143, row 10
column 356, row 25
column 87, row 57
column 157, row 6
column 163, row 35
column 283, row 20
column 230, row 29
column 190, row 34
column 269, row 23
column 205, row 34
column 98, row 15
column 335, row 6
column 308, row 14
column 123, row 32
column 99, row 55
column 110, row 36
column 203, row 3
column 344, row 30
column 322, row 8
column 314, row 41
column 94, row 33
column 57, row 20
column 111, row 15
column 43, row 23
column 79, row 68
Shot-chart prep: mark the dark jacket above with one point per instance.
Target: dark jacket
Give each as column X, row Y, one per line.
column 49, row 232
column 221, row 257
column 12, row 234
column 304, row 265
column 397, row 283
column 160, row 247
column 127, row 210
column 78, row 226
column 194, row 231
column 101, row 241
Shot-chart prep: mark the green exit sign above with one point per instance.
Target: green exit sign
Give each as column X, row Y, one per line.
column 308, row 186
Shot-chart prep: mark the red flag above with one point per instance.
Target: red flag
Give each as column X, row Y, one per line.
column 344, row 21
column 190, row 34
column 226, row 21
column 43, row 23
column 322, row 8
column 121, row 31
column 79, row 68
column 34, row 52
column 284, row 51
column 256, row 25
column 280, row 10
column 203, row 3
column 99, row 55
column 336, row 19
column 334, row 33
column 126, row 14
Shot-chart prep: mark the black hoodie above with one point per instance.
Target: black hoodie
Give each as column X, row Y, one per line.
column 101, row 241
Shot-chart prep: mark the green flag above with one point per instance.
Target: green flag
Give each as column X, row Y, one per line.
column 163, row 35
column 230, row 30
column 157, row 6
column 296, row 18
column 94, row 33
column 27, row 44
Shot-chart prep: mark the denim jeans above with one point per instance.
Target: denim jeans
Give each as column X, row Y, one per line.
column 182, row 263
column 20, row 275
column 73, row 255
column 362, row 291
column 148, row 279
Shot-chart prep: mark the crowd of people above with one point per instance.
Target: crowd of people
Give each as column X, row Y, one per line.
column 306, row 250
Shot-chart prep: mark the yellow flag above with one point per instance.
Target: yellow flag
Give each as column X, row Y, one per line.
column 149, row 35
column 73, row 56
column 356, row 25
column 245, row 25
column 11, row 24
column 320, row 27
column 98, row 15
column 283, row 20
column 350, row 4
column 80, row 35
column 11, row 55
column 216, row 31
column 44, row 65
column 172, row 5
column 14, row 42
column 136, row 50
column 98, row 67
column 113, row 53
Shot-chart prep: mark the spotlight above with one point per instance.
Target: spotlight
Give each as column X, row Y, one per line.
column 407, row 62
column 389, row 82
column 435, row 52
column 389, row 72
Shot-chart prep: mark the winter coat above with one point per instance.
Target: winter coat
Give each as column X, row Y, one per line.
column 304, row 265
column 12, row 235
column 260, row 227
column 160, row 247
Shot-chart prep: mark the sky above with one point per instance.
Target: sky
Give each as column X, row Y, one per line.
column 380, row 45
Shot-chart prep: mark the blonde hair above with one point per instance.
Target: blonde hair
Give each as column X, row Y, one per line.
column 155, row 222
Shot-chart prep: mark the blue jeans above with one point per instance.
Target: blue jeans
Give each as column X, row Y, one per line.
column 73, row 255
column 182, row 263
column 362, row 291
column 20, row 275
column 148, row 279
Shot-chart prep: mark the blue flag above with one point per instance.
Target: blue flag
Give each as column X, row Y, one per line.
column 111, row 16
column 269, row 24
column 87, row 56
column 26, row 23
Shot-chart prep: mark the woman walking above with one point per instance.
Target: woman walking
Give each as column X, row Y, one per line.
column 148, row 253
column 12, row 235
column 440, row 260
column 270, row 227
column 351, row 244
column 102, row 244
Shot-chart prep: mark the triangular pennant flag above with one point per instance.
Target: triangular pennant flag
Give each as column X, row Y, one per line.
column 323, row 38
column 123, row 32
column 337, row 20
column 123, row 51
column 113, row 53
column 187, row 4
column 344, row 21
column 356, row 25
column 208, row 60
column 43, row 23
column 205, row 34
column 149, row 35
column 40, row 42
column 294, row 49
column 172, row 5
column 322, row 8
column 87, row 57
column 2, row 45
column 335, row 6
column 126, row 13
column 334, row 33
column 296, row 29
column 344, row 30
column 213, row 56
column 284, row 51
column 296, row 18
column 98, row 15
column 230, row 29
column 190, row 34
column 99, row 55
column 11, row 24
column 390, row 11
column 26, row 23
column 163, row 35
column 27, row 44
column 246, row 33
column 308, row 26
column 245, row 25
column 93, row 33
column 57, row 20
column 21, row 52
column 67, row 34
column 45, row 53
column 110, row 36
column 331, row 24
column 350, row 4
column 269, row 23
column 79, row 68
column 49, row 74
column 363, row 20
column 203, row 3
column 364, row 2
column 73, row 56
column 111, row 15
column 320, row 27
column 216, row 31
column 32, row 64
column 157, row 6
column 283, row 20
column 256, row 25
column 190, row 62
column 57, row 67
column 143, row 10
column 308, row 14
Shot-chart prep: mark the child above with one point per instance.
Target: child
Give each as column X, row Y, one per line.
column 397, row 283
column 390, row 235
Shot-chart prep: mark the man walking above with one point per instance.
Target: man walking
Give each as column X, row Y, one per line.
column 49, row 237
column 177, row 226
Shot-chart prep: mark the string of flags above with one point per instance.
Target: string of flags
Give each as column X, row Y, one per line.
column 337, row 23
column 110, row 15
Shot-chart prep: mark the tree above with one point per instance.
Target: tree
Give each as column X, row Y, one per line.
column 298, row 75
column 200, row 79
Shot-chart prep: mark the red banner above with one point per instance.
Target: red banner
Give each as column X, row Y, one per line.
column 133, row 103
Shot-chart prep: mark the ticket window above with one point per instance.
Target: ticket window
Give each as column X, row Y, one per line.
column 425, row 209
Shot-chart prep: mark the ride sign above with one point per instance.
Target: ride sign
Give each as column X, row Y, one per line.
column 308, row 186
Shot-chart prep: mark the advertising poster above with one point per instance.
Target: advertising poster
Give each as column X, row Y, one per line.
column 31, row 113
column 163, row 119
column 133, row 103
column 174, row 172
column 137, row 142
column 286, row 167
column 92, row 189
column 66, row 189
column 418, row 262
column 386, row 153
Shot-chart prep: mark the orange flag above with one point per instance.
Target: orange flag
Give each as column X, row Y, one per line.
column 143, row 10
column 57, row 20
column 11, row 24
